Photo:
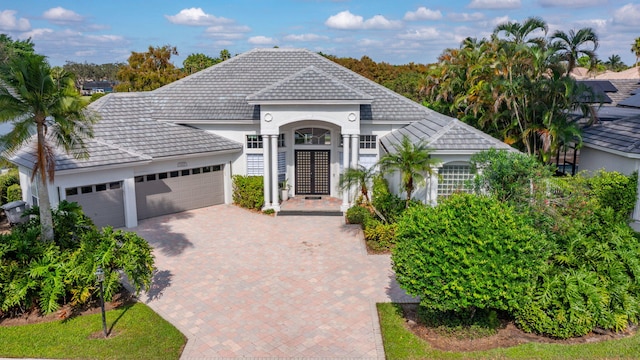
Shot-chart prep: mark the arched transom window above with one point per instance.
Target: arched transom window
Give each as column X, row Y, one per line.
column 313, row 136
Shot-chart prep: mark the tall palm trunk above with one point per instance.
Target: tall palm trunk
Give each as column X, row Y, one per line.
column 46, row 218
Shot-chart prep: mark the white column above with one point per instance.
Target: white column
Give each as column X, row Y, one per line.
column 274, row 173
column 636, row 210
column 433, row 191
column 266, row 171
column 130, row 209
column 355, row 145
column 346, row 140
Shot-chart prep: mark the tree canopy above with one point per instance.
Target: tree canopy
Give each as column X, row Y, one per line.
column 146, row 71
column 513, row 88
column 10, row 48
column 38, row 100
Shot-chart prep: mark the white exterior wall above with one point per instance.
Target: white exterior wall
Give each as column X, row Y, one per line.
column 67, row 179
column 593, row 160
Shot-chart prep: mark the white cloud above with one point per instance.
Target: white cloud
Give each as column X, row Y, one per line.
column 572, row 3
column 495, row 4
column 422, row 13
column 305, row 37
column 345, row 20
column 36, row 33
column 61, row 16
column 227, row 32
column 9, row 21
column 500, row 20
column 425, row 33
column 261, row 40
column 477, row 16
column 196, row 17
column 628, row 15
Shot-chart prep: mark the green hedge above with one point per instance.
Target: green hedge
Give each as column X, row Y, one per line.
column 248, row 191
column 14, row 193
column 469, row 252
column 6, row 180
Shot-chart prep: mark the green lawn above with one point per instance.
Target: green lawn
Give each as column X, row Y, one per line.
column 400, row 343
column 138, row 333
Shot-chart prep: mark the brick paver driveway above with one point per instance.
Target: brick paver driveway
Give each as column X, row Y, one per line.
column 240, row 284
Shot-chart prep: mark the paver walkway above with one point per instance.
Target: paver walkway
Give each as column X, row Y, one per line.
column 242, row 284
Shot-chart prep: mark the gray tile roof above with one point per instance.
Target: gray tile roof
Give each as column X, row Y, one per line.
column 126, row 134
column 220, row 92
column 311, row 84
column 451, row 135
column 620, row 135
column 127, row 122
column 624, row 87
column 101, row 154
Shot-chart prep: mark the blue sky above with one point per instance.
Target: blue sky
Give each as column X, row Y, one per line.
column 397, row 32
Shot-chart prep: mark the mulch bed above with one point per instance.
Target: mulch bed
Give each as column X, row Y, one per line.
column 34, row 316
column 508, row 335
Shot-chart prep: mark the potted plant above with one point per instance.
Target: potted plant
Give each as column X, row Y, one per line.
column 284, row 190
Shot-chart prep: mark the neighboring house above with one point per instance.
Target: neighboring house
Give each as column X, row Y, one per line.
column 287, row 114
column 93, row 87
column 613, row 143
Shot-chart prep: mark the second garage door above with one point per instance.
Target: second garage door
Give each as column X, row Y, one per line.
column 180, row 190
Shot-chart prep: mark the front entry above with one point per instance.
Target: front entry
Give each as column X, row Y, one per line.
column 312, row 172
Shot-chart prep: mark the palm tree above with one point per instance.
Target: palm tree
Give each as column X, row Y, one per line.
column 360, row 177
column 517, row 33
column 570, row 46
column 614, row 63
column 635, row 48
column 413, row 161
column 35, row 99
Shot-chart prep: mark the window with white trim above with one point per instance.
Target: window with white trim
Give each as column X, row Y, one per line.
column 254, row 141
column 454, row 178
column 282, row 166
column 368, row 141
column 281, row 143
column 34, row 190
column 255, row 165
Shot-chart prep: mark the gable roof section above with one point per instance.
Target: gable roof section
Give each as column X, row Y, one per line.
column 126, row 134
column 453, row 136
column 310, row 85
column 127, row 122
column 616, row 136
column 631, row 101
column 220, row 92
column 101, row 154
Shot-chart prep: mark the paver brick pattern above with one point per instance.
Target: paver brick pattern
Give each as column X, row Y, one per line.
column 243, row 284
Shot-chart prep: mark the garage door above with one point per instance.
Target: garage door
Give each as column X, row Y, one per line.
column 175, row 191
column 103, row 203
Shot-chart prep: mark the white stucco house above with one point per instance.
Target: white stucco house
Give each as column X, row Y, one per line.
column 282, row 113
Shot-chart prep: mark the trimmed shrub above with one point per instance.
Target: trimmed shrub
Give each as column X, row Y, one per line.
column 507, row 175
column 357, row 215
column 615, row 190
column 14, row 193
column 469, row 252
column 389, row 205
column 380, row 236
column 6, row 180
column 248, row 191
